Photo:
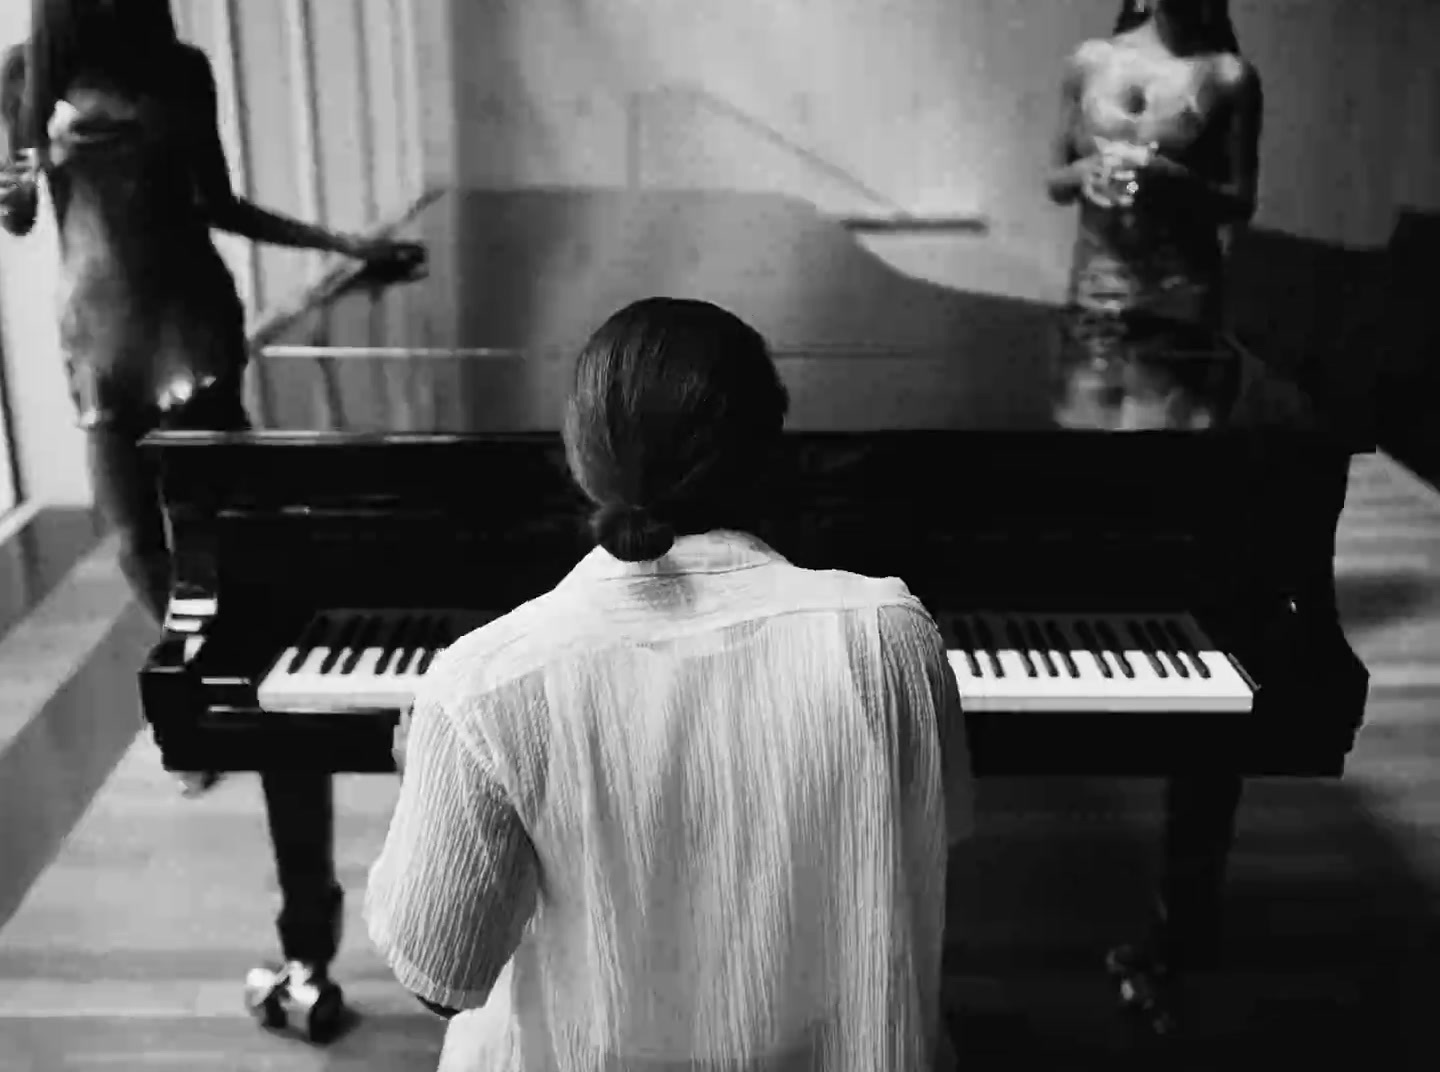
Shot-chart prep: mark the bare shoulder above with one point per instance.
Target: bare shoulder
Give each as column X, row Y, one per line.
column 1234, row 75
column 1091, row 55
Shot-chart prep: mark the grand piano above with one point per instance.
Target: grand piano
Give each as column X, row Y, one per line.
column 1131, row 558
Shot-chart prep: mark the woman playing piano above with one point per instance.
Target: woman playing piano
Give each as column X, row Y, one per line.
column 689, row 808
column 1159, row 143
column 119, row 117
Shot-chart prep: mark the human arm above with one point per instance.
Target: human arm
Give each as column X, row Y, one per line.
column 457, row 879
column 919, row 676
column 1233, row 199
column 1070, row 174
column 227, row 211
column 19, row 191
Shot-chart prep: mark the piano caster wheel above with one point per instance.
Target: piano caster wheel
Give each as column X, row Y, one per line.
column 274, row 995
column 196, row 783
column 1144, row 989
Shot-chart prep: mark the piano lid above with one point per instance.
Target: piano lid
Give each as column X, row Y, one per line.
column 519, row 279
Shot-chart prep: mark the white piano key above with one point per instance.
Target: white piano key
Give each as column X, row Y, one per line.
column 1089, row 689
column 365, row 687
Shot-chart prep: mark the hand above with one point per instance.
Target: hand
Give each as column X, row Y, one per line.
column 17, row 183
column 19, row 197
column 392, row 260
column 1094, row 176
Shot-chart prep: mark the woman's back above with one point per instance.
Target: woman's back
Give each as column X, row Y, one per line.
column 736, row 803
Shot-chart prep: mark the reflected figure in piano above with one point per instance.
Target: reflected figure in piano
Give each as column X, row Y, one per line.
column 693, row 788
column 120, row 119
column 1158, row 143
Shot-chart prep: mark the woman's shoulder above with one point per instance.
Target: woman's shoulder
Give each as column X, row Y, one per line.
column 1232, row 72
column 844, row 590
column 1091, row 54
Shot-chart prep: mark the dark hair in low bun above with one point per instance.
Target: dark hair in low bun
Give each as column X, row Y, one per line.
column 672, row 423
column 630, row 533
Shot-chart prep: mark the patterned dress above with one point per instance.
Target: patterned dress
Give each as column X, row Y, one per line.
column 1139, row 334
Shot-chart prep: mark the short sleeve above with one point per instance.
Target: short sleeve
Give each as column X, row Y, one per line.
column 917, row 667
column 458, row 879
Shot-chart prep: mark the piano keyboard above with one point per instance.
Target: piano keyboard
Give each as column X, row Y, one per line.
column 1090, row 662
column 352, row 660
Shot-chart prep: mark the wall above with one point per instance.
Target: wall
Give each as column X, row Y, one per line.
column 325, row 115
column 929, row 106
column 861, row 106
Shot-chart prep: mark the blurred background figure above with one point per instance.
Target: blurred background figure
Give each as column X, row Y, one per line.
column 120, row 119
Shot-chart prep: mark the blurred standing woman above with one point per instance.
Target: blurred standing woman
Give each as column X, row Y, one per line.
column 1158, row 142
column 119, row 117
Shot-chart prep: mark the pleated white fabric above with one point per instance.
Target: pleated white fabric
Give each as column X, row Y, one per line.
column 682, row 815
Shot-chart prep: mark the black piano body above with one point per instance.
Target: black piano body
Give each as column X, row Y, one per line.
column 270, row 527
column 955, row 440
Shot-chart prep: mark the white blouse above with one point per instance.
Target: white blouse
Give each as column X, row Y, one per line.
column 679, row 815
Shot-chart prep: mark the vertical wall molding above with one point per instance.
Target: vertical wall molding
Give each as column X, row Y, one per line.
column 298, row 33
column 365, row 103
column 230, row 85
column 412, row 114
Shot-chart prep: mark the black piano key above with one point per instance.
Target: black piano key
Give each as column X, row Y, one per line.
column 363, row 639
column 1184, row 643
column 1143, row 643
column 413, row 644
column 430, row 643
column 342, row 641
column 1012, row 633
column 1116, row 649
column 1092, row 643
column 988, row 647
column 1042, row 648
column 394, row 643
column 440, row 636
column 967, row 645
column 1162, row 643
column 309, row 640
column 1060, row 644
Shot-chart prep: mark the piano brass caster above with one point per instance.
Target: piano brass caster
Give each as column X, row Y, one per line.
column 1144, row 987
column 274, row 996
column 197, row 783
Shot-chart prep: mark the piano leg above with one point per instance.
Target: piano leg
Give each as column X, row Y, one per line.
column 300, row 811
column 1200, row 815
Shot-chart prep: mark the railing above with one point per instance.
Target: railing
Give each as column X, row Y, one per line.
column 382, row 28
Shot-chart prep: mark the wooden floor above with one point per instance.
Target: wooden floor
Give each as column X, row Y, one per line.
column 130, row 946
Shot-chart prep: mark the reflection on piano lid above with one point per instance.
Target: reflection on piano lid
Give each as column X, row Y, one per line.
column 1091, row 662
column 361, row 660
